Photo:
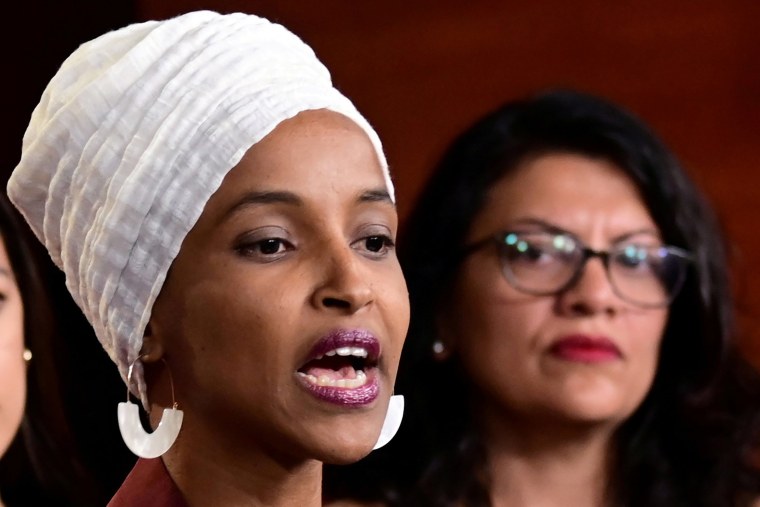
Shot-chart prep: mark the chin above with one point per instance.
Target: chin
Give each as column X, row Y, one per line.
column 595, row 417
column 598, row 407
column 341, row 438
column 345, row 458
column 344, row 452
column 345, row 443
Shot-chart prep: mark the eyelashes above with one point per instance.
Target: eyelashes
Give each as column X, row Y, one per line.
column 376, row 245
column 270, row 246
column 266, row 249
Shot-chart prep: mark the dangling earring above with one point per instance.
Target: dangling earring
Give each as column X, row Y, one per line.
column 140, row 442
column 392, row 420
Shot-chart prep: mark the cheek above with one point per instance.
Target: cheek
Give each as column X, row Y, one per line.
column 12, row 368
column 213, row 322
column 231, row 344
column 500, row 341
column 12, row 394
column 645, row 340
column 393, row 299
column 12, row 325
column 225, row 317
column 492, row 327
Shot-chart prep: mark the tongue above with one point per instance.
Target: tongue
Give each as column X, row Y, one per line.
column 346, row 372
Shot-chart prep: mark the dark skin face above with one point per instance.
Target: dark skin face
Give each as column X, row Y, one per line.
column 296, row 244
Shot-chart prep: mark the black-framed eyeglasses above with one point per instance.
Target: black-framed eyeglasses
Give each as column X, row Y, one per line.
column 547, row 262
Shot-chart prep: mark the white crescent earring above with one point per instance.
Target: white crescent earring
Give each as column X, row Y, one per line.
column 392, row 420
column 140, row 442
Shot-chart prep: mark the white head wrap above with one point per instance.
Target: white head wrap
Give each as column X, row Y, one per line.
column 132, row 137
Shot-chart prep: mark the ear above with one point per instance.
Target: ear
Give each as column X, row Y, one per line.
column 152, row 348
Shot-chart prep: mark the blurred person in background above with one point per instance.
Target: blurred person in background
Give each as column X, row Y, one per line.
column 572, row 340
column 39, row 465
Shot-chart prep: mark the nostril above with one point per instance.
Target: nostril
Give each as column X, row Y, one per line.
column 335, row 303
column 581, row 308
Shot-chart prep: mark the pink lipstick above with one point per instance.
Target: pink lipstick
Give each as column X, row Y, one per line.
column 342, row 368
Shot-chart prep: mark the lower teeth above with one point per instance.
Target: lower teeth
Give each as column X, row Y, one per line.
column 325, row 381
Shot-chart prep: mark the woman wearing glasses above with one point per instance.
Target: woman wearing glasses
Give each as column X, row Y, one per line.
column 572, row 326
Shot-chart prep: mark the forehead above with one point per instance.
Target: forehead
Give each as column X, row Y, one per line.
column 568, row 190
column 319, row 155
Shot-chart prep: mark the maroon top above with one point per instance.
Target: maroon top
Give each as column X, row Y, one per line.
column 148, row 485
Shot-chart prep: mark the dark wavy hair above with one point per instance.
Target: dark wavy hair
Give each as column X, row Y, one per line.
column 41, row 466
column 690, row 442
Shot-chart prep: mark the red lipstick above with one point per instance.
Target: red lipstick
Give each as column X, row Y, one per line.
column 585, row 349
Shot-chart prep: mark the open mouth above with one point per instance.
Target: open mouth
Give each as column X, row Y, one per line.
column 342, row 368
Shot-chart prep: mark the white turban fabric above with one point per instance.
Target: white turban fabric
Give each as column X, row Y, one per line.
column 134, row 134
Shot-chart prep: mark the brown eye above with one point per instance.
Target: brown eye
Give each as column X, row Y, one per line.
column 265, row 250
column 270, row 246
column 376, row 245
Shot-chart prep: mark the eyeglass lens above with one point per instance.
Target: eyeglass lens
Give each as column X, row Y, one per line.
column 543, row 263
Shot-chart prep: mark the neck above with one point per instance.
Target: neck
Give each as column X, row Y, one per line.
column 548, row 464
column 215, row 475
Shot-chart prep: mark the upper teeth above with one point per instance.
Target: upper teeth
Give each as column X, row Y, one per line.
column 347, row 351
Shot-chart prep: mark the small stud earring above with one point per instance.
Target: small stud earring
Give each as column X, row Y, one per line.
column 27, row 355
column 438, row 347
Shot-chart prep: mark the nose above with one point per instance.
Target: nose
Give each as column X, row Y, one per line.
column 343, row 286
column 592, row 292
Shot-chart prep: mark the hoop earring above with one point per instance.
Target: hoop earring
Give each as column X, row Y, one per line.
column 392, row 420
column 137, row 440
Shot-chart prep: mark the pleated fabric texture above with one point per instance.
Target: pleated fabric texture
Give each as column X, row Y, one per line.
column 134, row 134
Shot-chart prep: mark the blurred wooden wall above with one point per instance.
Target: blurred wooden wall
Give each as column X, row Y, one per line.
column 421, row 71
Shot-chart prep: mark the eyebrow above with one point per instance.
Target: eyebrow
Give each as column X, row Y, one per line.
column 377, row 195
column 540, row 223
column 257, row 198
column 283, row 197
column 630, row 234
column 559, row 230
